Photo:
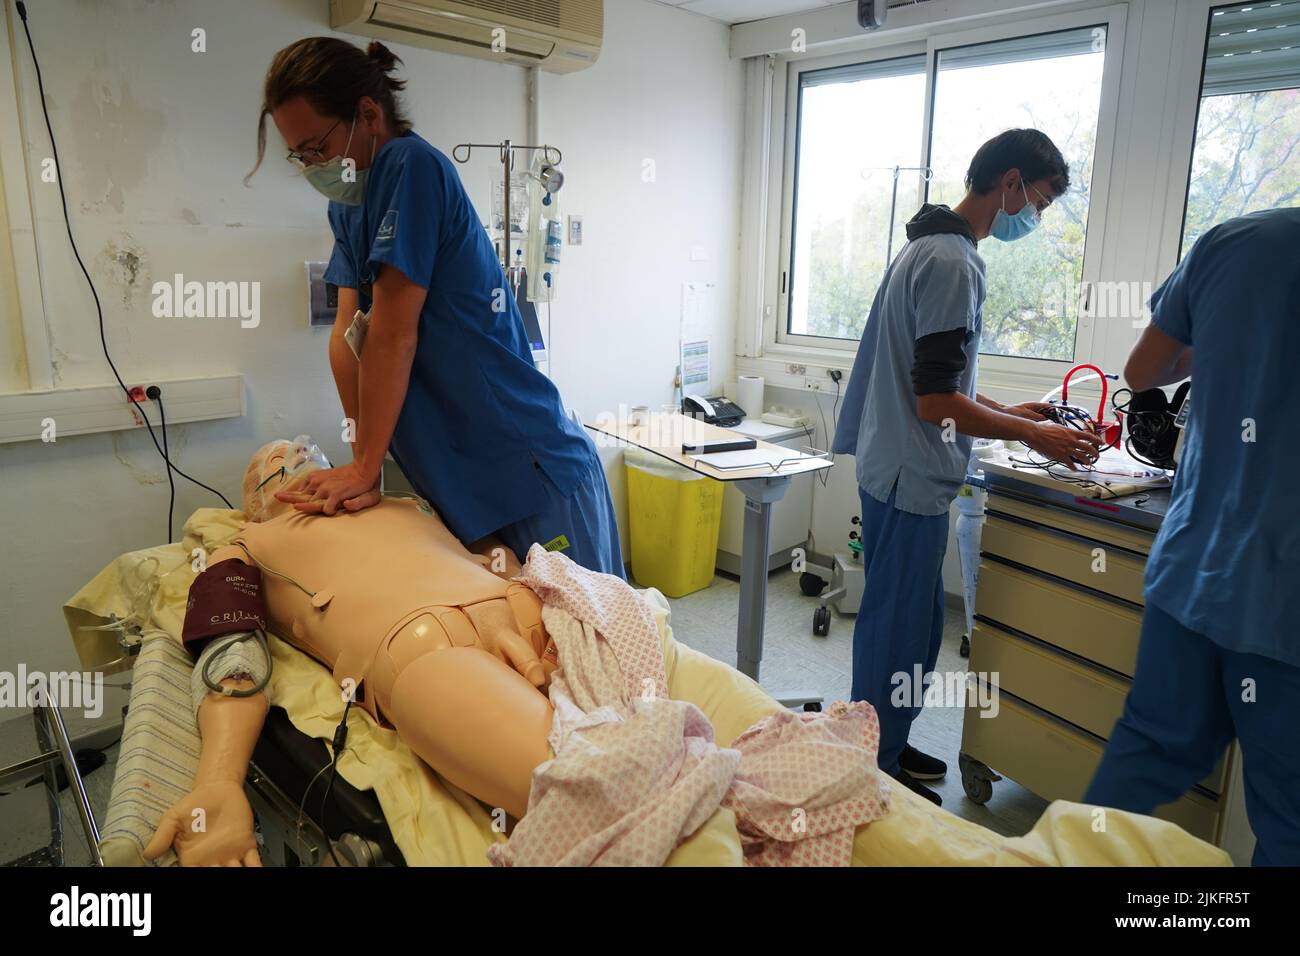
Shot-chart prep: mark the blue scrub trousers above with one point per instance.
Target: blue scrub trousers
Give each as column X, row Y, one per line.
column 586, row 518
column 1184, row 708
column 900, row 623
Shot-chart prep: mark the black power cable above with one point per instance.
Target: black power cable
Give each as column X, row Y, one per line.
column 99, row 309
column 155, row 393
column 340, row 742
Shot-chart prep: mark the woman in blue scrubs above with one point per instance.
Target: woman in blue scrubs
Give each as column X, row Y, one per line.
column 446, row 381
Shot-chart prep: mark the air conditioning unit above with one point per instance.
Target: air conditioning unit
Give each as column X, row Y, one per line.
column 559, row 36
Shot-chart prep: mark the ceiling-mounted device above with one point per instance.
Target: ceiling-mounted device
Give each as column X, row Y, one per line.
column 556, row 37
column 871, row 13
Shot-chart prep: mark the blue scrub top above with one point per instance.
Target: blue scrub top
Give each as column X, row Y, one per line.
column 935, row 284
column 1226, row 563
column 481, row 427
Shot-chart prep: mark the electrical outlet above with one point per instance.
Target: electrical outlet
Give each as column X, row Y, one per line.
column 796, row 369
column 812, row 384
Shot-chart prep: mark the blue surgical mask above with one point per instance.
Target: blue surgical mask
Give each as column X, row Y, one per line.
column 1010, row 228
column 327, row 178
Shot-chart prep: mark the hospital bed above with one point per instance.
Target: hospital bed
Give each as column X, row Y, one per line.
column 388, row 808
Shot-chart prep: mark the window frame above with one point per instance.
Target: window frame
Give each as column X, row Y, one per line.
column 781, row 344
column 1205, row 9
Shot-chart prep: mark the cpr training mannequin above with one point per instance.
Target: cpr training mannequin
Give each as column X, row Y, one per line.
column 416, row 627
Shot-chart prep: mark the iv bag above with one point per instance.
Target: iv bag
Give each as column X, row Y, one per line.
column 545, row 230
column 520, row 191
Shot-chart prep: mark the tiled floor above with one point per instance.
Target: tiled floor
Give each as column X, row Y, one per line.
column 794, row 659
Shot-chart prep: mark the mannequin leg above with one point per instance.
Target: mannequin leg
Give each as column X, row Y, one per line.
column 475, row 720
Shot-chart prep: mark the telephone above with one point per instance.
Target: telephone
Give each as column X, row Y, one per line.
column 714, row 411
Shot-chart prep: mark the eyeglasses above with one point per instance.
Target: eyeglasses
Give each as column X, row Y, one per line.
column 1046, row 202
column 311, row 155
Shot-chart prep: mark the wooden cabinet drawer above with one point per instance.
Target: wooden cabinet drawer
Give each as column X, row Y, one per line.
column 1092, row 626
column 1100, row 528
column 1071, row 690
column 1065, row 556
column 1057, row 761
column 1076, row 692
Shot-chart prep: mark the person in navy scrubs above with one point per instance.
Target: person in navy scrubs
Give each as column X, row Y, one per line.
column 446, row 381
column 1219, row 655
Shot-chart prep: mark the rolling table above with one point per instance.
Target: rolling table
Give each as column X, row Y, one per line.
column 663, row 433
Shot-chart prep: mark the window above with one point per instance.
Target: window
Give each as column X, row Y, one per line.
column 856, row 124
column 1050, row 82
column 871, row 140
column 1246, row 155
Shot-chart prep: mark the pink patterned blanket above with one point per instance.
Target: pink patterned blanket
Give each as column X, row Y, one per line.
column 635, row 773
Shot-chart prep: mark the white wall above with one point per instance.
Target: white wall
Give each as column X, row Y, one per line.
column 155, row 140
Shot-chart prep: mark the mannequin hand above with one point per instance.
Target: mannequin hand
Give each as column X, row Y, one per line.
column 1069, row 446
column 322, row 492
column 1034, row 411
column 226, row 837
column 519, row 654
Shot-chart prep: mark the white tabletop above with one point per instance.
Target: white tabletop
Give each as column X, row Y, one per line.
column 664, row 433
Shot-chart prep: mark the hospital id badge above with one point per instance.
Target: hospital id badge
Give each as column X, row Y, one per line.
column 355, row 336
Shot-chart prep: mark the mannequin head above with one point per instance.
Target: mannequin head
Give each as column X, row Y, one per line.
column 279, row 465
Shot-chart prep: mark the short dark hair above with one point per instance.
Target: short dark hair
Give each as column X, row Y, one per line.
column 1027, row 150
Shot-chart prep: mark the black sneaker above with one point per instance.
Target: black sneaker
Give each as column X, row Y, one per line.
column 916, row 786
column 921, row 766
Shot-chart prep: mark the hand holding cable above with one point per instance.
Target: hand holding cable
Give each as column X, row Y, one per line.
column 1069, row 446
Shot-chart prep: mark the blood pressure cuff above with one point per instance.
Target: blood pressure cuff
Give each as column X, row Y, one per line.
column 938, row 361
column 224, row 599
column 1150, row 423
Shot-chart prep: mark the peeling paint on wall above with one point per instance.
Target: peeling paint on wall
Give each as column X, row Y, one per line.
column 143, row 463
column 122, row 263
column 115, row 138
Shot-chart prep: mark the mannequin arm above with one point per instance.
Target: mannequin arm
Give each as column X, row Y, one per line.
column 213, row 824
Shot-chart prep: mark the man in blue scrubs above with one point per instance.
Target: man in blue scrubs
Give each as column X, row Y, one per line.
column 910, row 414
column 446, row 379
column 1220, row 651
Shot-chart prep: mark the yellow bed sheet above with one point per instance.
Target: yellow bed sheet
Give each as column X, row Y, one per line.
column 435, row 823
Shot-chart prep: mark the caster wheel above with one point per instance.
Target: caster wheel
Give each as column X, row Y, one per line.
column 965, row 645
column 822, row 621
column 810, row 584
column 977, row 779
column 812, row 707
column 977, row 788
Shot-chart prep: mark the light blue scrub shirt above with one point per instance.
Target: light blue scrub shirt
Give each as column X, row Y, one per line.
column 935, row 284
column 1226, row 563
column 480, row 424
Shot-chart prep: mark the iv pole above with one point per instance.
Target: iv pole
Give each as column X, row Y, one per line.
column 507, row 153
column 927, row 174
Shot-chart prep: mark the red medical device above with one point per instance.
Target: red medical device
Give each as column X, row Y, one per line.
column 1109, row 431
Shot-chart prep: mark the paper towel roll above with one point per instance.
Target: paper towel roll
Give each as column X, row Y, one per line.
column 749, row 394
